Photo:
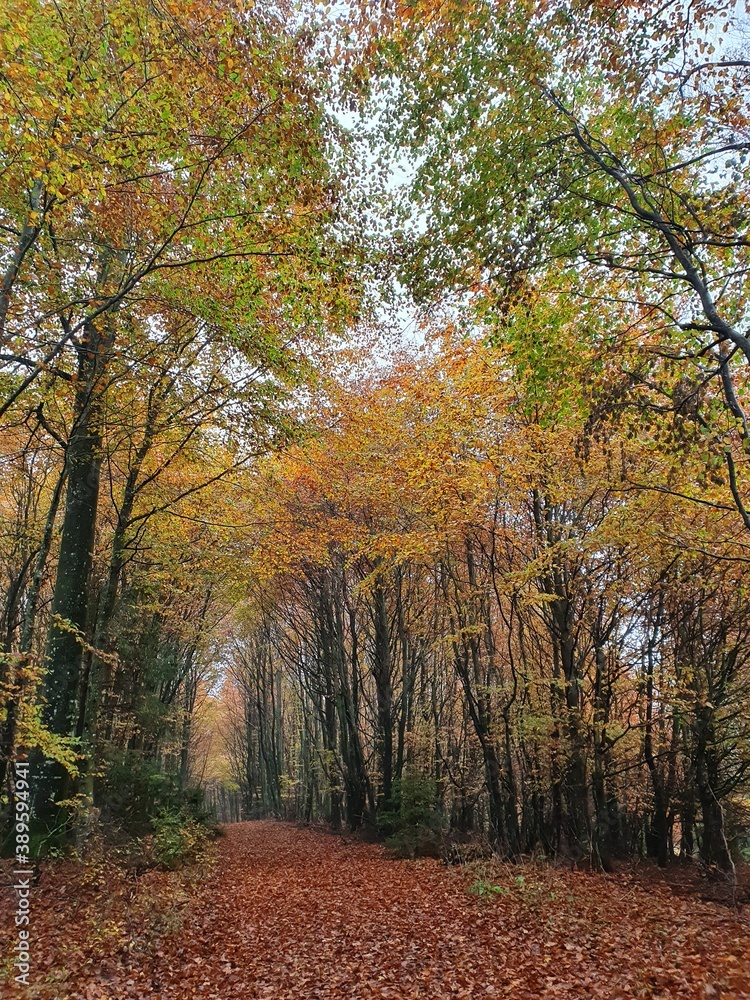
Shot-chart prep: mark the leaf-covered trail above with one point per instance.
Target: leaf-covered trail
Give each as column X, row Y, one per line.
column 294, row 914
column 298, row 914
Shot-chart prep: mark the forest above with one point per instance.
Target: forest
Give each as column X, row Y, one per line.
column 375, row 495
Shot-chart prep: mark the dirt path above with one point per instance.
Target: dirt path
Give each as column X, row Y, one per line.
column 298, row 914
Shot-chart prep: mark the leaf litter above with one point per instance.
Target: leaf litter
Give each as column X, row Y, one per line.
column 287, row 912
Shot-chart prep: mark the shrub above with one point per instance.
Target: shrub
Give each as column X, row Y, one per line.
column 413, row 827
column 134, row 790
column 178, row 838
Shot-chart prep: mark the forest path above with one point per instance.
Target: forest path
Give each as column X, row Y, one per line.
column 300, row 914
column 297, row 914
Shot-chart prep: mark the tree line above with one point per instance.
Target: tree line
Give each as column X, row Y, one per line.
column 449, row 589
column 167, row 188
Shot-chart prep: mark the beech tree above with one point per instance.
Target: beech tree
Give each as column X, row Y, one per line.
column 131, row 212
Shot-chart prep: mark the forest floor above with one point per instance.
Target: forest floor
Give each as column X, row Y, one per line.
column 282, row 912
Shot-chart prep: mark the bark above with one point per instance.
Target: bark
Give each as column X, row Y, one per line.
column 657, row 836
column 70, row 603
column 714, row 848
column 382, row 673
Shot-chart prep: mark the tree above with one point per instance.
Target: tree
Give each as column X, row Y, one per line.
column 130, row 211
column 607, row 149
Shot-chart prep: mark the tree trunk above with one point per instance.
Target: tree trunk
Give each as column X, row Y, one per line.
column 70, row 602
column 384, row 689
